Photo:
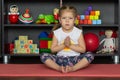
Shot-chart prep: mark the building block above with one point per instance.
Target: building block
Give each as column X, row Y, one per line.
column 25, row 46
column 87, row 12
column 97, row 12
column 49, row 44
column 96, row 17
column 94, row 21
column 43, row 44
column 89, row 21
column 99, row 21
column 28, row 50
column 81, row 21
column 87, row 17
column 30, row 41
column 82, row 17
column 91, row 17
column 23, row 37
column 92, row 12
column 85, row 21
column 31, row 46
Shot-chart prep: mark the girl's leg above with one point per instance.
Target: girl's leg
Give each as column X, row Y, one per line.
column 81, row 64
column 51, row 64
column 50, row 61
column 83, row 61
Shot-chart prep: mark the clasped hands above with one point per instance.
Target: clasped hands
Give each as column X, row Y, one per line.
column 67, row 42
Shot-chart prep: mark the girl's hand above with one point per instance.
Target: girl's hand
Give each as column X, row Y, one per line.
column 67, row 41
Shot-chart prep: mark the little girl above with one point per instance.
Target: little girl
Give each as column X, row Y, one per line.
column 68, row 44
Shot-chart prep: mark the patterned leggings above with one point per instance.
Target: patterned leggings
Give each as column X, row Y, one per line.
column 64, row 61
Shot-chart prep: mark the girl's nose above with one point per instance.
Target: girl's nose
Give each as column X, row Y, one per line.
column 67, row 20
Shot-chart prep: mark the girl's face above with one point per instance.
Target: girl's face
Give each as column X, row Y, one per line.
column 67, row 20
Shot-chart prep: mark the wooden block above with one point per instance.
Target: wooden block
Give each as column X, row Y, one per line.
column 26, row 46
column 30, row 41
column 23, row 37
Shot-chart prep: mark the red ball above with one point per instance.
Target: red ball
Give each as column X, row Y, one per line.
column 91, row 41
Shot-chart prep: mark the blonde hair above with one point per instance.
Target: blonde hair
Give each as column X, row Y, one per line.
column 65, row 7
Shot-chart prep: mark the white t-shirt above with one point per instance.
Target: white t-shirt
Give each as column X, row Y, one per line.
column 74, row 36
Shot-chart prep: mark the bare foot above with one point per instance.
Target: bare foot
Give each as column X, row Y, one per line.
column 62, row 69
column 68, row 69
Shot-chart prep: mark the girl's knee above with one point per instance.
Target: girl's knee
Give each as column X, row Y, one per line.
column 44, row 57
column 89, row 56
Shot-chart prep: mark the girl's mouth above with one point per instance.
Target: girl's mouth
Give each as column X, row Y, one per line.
column 67, row 24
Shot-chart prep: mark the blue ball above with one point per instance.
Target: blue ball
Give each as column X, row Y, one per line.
column 43, row 35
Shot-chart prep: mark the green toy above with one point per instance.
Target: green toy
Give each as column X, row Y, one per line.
column 42, row 18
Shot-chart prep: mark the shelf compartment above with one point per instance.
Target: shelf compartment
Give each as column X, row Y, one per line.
column 23, row 54
column 106, row 54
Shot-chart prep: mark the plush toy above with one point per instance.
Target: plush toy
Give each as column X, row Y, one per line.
column 108, row 42
column 43, row 19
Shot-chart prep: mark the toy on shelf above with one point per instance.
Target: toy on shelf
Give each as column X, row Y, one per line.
column 108, row 42
column 91, row 41
column 45, row 19
column 48, row 18
column 90, row 16
column 25, row 46
column 26, row 17
column 45, row 41
column 13, row 14
column 56, row 13
column 9, row 47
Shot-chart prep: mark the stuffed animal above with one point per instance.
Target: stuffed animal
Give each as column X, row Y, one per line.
column 108, row 43
column 45, row 18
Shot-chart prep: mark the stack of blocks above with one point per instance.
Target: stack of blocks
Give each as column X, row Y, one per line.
column 23, row 45
column 45, row 44
column 45, row 41
column 90, row 17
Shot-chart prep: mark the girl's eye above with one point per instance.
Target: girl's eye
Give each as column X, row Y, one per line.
column 63, row 17
column 70, row 18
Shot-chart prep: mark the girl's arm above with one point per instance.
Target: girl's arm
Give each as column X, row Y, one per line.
column 80, row 47
column 55, row 47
